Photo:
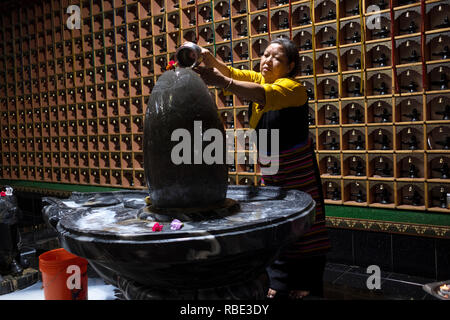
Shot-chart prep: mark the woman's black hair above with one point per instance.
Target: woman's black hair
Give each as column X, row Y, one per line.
column 291, row 52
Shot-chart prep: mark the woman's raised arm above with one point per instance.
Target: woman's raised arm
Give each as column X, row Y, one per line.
column 243, row 89
column 211, row 62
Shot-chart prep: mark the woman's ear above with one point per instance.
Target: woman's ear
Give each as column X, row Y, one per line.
column 291, row 67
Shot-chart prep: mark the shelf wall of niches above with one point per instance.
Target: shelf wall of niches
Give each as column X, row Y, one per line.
column 73, row 101
column 75, row 127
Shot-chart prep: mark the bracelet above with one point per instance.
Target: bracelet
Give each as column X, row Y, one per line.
column 229, row 84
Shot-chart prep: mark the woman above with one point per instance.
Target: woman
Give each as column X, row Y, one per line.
column 280, row 102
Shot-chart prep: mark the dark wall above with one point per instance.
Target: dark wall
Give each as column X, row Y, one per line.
column 418, row 256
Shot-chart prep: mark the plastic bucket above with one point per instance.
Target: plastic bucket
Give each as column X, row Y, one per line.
column 64, row 275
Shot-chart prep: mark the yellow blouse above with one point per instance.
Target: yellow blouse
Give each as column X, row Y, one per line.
column 284, row 92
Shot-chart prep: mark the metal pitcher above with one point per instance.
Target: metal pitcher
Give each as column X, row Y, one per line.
column 189, row 55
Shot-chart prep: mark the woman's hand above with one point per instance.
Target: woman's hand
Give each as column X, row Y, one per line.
column 208, row 58
column 212, row 76
column 210, row 61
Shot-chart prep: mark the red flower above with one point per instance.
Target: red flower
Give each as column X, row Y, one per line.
column 172, row 64
column 157, row 227
column 3, row 193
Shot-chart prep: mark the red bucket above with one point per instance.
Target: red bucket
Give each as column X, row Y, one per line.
column 64, row 275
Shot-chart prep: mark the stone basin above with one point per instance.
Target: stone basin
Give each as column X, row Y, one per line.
column 224, row 256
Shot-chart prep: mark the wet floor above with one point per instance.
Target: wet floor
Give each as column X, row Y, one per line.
column 341, row 282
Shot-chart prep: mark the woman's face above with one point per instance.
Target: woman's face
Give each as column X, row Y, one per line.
column 274, row 63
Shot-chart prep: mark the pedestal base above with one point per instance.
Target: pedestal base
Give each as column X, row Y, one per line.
column 251, row 290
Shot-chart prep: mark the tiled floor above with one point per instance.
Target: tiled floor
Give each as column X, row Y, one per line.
column 97, row 290
column 341, row 282
column 350, row 282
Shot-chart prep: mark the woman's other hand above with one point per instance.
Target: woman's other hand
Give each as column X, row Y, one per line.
column 212, row 76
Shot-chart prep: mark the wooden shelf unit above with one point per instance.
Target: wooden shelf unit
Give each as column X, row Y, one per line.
column 72, row 102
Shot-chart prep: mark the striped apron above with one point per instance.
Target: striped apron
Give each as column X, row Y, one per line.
column 298, row 170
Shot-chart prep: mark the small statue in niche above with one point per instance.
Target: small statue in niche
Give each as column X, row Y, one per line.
column 334, row 169
column 385, row 171
column 443, row 170
column 354, row 11
column 382, row 90
column 414, row 57
column 445, row 24
column 308, row 71
column 383, row 195
column 445, row 113
column 357, row 117
column 384, row 115
column 359, row 196
column 228, row 100
column 444, row 143
column 442, row 82
column 331, row 15
column 243, row 32
column 334, row 119
column 356, row 91
column 358, row 143
column 382, row 60
column 284, row 24
column 263, row 6
column 334, row 145
column 411, row 87
column 356, row 37
column 304, row 20
column 330, row 42
column 415, row 198
column 263, row 28
column 411, row 28
column 332, row 94
column 413, row 116
column 412, row 144
column 356, row 65
column 335, row 194
column 385, row 145
column 358, row 168
column 332, row 67
column 412, row 171
column 383, row 33
column 307, row 45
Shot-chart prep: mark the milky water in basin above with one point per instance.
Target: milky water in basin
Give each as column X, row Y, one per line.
column 116, row 214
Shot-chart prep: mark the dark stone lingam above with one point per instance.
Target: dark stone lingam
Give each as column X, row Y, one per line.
column 230, row 233
column 179, row 99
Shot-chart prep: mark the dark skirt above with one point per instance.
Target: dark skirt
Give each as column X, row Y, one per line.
column 298, row 170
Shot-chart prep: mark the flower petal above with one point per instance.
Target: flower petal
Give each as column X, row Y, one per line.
column 176, row 224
